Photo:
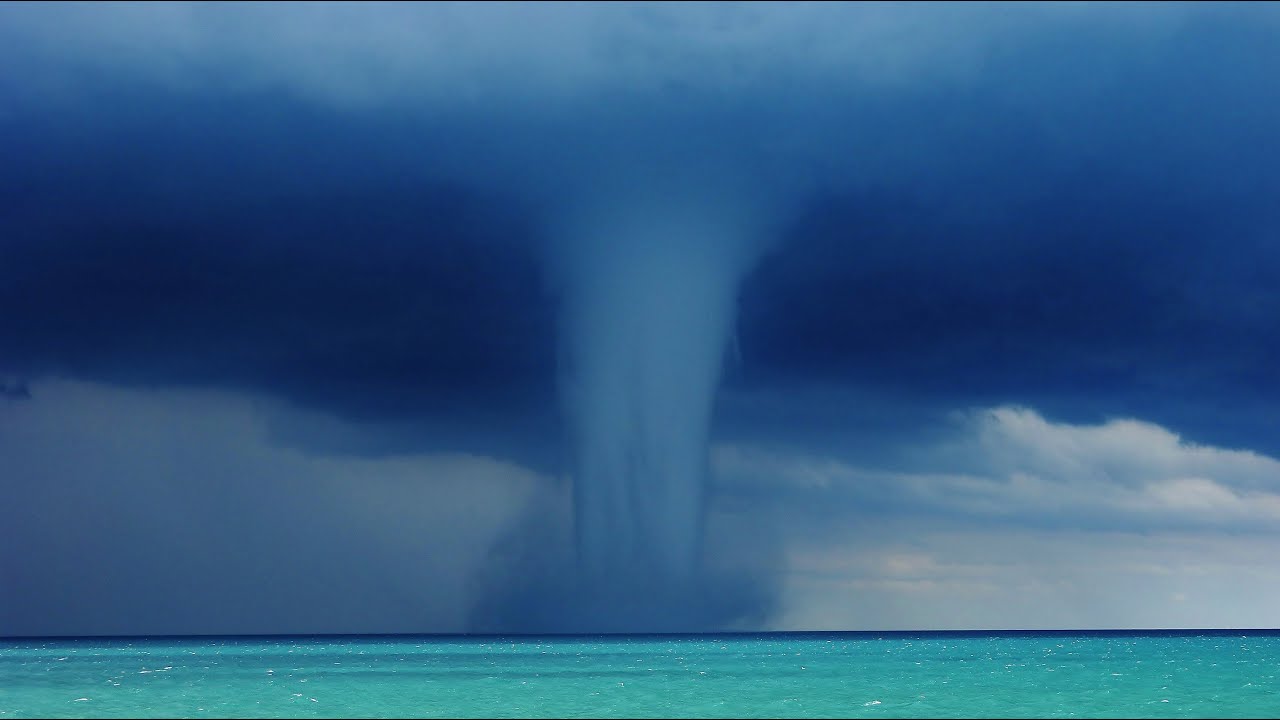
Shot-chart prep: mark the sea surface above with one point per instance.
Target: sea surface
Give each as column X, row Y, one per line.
column 1022, row 674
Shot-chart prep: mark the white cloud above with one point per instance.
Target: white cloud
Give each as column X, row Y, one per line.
column 1012, row 463
column 1124, row 451
column 1017, row 521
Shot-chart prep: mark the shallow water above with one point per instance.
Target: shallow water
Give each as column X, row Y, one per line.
column 790, row 675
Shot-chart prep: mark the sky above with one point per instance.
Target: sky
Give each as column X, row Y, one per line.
column 540, row 317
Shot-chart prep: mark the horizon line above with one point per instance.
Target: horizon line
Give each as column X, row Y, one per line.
column 711, row 634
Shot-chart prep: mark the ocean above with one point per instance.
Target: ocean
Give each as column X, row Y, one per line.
column 1009, row 674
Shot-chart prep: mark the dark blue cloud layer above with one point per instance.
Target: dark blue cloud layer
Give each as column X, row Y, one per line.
column 1087, row 218
column 1105, row 248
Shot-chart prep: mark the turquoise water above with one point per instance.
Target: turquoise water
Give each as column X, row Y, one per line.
column 801, row 675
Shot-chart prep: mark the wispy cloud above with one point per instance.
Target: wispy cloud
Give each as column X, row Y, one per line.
column 1011, row 464
column 360, row 53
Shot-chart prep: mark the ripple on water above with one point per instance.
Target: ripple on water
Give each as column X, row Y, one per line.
column 741, row 675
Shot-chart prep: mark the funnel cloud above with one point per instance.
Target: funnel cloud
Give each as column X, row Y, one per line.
column 651, row 278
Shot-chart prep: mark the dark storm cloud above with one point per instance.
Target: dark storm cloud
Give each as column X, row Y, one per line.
column 1090, row 227
column 247, row 244
column 252, row 243
column 16, row 390
column 1086, row 206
